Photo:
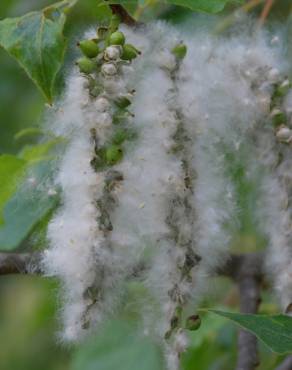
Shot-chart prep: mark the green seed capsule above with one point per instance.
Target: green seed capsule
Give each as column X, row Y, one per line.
column 129, row 52
column 179, row 51
column 283, row 89
column 117, row 38
column 122, row 102
column 120, row 136
column 113, row 154
column 278, row 117
column 193, row 322
column 86, row 65
column 89, row 48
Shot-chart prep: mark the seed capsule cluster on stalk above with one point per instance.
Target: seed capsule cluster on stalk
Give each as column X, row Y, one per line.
column 104, row 58
column 159, row 149
column 99, row 128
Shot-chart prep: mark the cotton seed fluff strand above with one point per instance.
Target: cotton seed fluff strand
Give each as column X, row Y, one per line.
column 155, row 128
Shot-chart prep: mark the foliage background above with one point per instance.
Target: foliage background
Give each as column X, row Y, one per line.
column 28, row 305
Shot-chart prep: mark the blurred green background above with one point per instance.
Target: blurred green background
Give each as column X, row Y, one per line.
column 29, row 305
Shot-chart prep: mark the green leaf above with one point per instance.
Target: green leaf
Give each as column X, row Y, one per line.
column 29, row 134
column 208, row 6
column 11, row 169
column 27, row 208
column 36, row 41
column 39, row 152
column 118, row 346
column 23, row 206
column 274, row 330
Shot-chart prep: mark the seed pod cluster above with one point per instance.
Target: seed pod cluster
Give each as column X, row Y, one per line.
column 155, row 178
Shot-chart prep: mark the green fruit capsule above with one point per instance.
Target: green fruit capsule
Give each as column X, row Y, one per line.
column 89, row 48
column 283, row 88
column 122, row 102
column 117, row 38
column 129, row 52
column 113, row 154
column 193, row 322
column 278, row 117
column 86, row 65
column 120, row 136
column 179, row 51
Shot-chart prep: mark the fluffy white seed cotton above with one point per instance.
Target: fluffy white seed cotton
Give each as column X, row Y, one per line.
column 174, row 201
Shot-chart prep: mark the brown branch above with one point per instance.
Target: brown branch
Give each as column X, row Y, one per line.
column 236, row 264
column 249, row 290
column 247, row 271
column 20, row 263
column 266, row 10
column 286, row 364
column 125, row 16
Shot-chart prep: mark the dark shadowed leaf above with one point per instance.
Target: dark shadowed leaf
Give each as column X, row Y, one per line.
column 208, row 6
column 36, row 41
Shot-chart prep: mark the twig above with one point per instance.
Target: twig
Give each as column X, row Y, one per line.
column 286, row 364
column 232, row 18
column 266, row 10
column 125, row 16
column 249, row 289
column 237, row 263
column 247, row 271
column 20, row 263
column 29, row 263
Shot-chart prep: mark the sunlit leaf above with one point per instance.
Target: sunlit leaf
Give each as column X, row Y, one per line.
column 31, row 203
column 11, row 169
column 29, row 134
column 39, row 152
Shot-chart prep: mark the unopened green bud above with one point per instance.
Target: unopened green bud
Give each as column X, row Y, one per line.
column 122, row 102
column 180, row 50
column 117, row 38
column 129, row 52
column 278, row 117
column 283, row 89
column 120, row 136
column 89, row 48
column 86, row 65
column 193, row 322
column 113, row 154
column 120, row 118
